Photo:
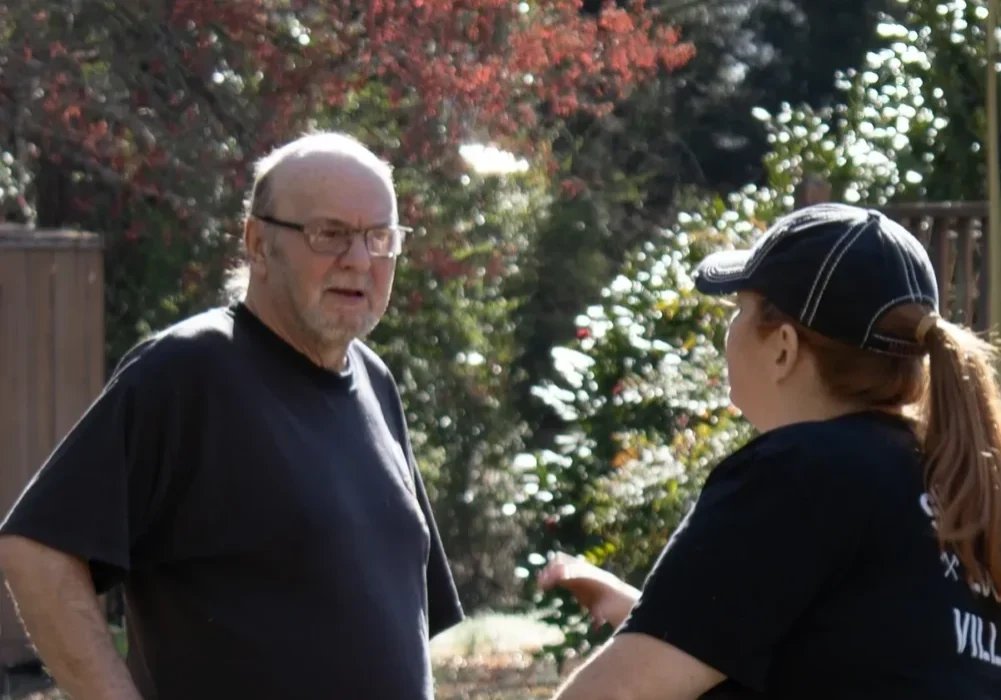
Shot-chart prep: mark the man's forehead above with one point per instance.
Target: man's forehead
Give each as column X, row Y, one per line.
column 337, row 187
column 324, row 170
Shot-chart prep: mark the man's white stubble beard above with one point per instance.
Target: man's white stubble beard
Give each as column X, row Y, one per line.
column 335, row 334
column 311, row 322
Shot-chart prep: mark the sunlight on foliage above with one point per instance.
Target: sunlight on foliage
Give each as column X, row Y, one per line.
column 643, row 387
column 644, row 390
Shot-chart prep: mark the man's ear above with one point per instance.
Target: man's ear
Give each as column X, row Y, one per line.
column 785, row 351
column 256, row 245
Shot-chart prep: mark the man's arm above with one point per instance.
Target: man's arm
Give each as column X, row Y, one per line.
column 640, row 667
column 60, row 610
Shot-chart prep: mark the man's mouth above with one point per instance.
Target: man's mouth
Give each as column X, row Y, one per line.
column 347, row 293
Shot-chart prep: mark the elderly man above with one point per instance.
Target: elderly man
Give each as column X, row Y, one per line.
column 247, row 475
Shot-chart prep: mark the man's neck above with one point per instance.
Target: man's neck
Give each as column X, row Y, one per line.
column 332, row 358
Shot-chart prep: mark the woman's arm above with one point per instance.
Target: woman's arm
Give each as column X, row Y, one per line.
column 640, row 667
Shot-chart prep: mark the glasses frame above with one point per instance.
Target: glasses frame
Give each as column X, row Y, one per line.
column 311, row 238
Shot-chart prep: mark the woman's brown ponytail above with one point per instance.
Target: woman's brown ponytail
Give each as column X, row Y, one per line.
column 961, row 413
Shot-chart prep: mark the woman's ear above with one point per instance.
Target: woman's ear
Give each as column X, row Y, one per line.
column 784, row 344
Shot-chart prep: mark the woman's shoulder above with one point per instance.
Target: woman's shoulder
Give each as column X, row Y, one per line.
column 839, row 450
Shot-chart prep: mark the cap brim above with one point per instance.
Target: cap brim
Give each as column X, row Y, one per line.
column 722, row 273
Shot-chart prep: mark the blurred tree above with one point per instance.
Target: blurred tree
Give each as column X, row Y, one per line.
column 910, row 120
column 751, row 53
column 937, row 62
column 640, row 391
column 449, row 338
column 139, row 121
column 122, row 114
column 622, row 171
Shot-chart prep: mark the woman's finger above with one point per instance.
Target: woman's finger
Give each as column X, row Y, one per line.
column 551, row 574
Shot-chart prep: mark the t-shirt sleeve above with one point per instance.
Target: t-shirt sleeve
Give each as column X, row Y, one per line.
column 95, row 494
column 444, row 607
column 765, row 537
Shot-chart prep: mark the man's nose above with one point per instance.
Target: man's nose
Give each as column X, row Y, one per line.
column 357, row 257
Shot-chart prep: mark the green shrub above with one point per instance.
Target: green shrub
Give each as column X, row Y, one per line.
column 643, row 391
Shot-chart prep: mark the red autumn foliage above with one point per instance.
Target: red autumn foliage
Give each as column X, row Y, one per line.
column 169, row 100
column 121, row 78
column 572, row 186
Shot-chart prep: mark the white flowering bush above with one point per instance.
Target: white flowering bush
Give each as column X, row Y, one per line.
column 644, row 395
column 13, row 181
column 643, row 389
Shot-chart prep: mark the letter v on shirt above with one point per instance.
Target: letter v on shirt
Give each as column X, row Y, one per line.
column 971, row 634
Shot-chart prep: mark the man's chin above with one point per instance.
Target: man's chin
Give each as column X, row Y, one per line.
column 344, row 331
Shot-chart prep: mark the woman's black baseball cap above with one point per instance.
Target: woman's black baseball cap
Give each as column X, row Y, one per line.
column 835, row 268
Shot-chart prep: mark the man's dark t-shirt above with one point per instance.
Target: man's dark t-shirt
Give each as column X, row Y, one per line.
column 265, row 517
column 809, row 568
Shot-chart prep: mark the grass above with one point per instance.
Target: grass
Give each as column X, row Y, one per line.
column 487, row 657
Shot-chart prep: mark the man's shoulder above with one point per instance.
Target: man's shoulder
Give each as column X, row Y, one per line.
column 180, row 348
column 379, row 380
column 374, row 365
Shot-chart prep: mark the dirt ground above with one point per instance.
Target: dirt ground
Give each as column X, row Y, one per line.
column 500, row 677
column 488, row 657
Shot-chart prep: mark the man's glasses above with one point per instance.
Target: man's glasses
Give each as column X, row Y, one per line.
column 330, row 238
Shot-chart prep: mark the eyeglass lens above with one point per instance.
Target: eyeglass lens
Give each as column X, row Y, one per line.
column 381, row 242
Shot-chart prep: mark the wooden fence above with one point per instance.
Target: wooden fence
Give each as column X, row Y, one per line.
column 51, row 363
column 954, row 234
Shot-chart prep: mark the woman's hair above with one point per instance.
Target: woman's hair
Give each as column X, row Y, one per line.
column 958, row 407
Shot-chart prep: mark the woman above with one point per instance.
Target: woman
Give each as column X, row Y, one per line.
column 852, row 550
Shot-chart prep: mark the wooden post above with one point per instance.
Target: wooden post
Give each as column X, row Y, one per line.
column 812, row 189
column 993, row 174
